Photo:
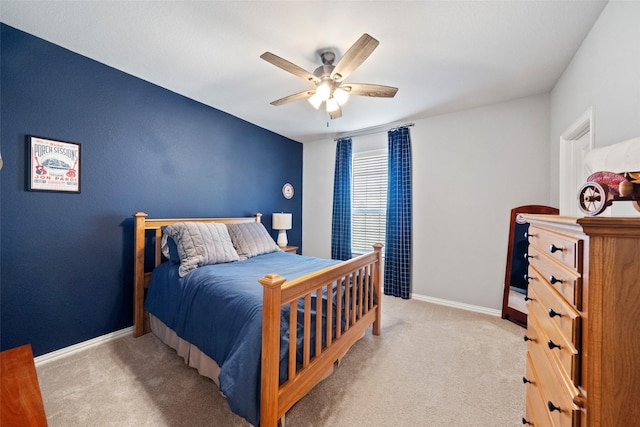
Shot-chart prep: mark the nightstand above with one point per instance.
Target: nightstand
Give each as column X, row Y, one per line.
column 290, row 249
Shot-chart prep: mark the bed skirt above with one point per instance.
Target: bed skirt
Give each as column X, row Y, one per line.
column 195, row 358
column 191, row 354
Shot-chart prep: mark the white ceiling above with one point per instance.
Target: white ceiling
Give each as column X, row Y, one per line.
column 443, row 56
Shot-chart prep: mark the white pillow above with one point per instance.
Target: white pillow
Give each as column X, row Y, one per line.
column 251, row 239
column 201, row 243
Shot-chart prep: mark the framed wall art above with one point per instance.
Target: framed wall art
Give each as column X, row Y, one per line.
column 53, row 165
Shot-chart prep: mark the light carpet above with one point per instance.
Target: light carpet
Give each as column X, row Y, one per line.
column 431, row 366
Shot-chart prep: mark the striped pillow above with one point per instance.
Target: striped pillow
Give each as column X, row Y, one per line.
column 201, row 243
column 251, row 239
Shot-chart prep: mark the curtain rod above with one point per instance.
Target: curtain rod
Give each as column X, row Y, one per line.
column 372, row 130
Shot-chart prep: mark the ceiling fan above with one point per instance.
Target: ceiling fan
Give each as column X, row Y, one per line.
column 328, row 79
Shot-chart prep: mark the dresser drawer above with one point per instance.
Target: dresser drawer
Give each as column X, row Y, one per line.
column 562, row 351
column 553, row 311
column 566, row 281
column 557, row 394
column 561, row 247
column 536, row 409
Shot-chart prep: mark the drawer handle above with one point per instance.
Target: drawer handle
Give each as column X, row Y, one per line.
column 553, row 248
column 526, row 338
column 525, row 380
column 553, row 407
column 553, row 345
column 553, row 280
column 553, row 313
column 526, row 422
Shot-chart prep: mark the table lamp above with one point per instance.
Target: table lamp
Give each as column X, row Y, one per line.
column 282, row 223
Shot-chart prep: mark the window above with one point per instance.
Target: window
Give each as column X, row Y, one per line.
column 369, row 200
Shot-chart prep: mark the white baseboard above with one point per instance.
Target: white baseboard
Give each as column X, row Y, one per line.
column 455, row 304
column 63, row 352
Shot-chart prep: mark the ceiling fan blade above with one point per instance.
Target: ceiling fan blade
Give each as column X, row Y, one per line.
column 289, row 67
column 355, row 56
column 335, row 114
column 295, row 97
column 366, row 89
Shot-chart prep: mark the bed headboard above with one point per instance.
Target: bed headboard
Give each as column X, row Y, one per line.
column 149, row 230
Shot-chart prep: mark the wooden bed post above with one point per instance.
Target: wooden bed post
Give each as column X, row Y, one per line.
column 377, row 279
column 138, row 274
column 271, row 302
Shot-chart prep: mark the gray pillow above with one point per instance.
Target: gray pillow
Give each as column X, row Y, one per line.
column 201, row 243
column 251, row 239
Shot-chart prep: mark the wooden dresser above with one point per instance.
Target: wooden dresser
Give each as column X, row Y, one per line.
column 583, row 349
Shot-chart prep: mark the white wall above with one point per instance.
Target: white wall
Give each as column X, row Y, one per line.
column 605, row 75
column 318, row 165
column 469, row 169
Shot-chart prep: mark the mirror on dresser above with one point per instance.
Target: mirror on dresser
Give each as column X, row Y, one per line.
column 515, row 280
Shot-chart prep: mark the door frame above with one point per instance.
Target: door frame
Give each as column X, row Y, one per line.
column 569, row 153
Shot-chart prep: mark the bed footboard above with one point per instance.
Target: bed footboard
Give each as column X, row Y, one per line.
column 360, row 280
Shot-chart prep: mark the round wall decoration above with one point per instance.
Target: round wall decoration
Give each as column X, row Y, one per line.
column 287, row 191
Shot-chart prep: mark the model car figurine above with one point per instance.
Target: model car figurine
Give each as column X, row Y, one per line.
column 603, row 188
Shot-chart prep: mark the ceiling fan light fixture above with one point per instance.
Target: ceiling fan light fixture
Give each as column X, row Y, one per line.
column 332, row 105
column 315, row 100
column 329, row 80
column 323, row 91
column 341, row 96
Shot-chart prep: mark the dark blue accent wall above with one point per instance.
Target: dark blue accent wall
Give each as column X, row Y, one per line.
column 67, row 259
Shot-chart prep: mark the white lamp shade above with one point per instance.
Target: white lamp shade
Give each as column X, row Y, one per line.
column 315, row 100
column 323, row 91
column 341, row 96
column 281, row 221
column 332, row 105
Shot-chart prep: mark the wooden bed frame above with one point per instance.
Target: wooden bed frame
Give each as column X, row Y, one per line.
column 362, row 309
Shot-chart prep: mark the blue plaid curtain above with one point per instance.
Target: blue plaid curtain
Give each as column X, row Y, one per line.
column 397, row 261
column 341, row 218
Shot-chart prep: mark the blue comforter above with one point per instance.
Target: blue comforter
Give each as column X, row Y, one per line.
column 218, row 308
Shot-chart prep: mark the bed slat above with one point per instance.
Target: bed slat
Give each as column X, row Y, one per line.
column 318, row 318
column 293, row 338
column 306, row 347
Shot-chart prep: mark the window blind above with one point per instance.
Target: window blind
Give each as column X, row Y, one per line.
column 369, row 200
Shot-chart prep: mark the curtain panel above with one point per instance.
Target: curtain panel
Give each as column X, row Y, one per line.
column 341, row 217
column 398, row 247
